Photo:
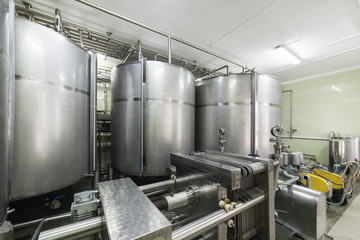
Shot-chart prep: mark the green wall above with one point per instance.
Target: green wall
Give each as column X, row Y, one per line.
column 322, row 105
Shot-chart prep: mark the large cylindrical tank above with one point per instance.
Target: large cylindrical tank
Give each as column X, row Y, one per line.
column 353, row 149
column 5, row 62
column 167, row 116
column 51, row 143
column 225, row 102
column 337, row 152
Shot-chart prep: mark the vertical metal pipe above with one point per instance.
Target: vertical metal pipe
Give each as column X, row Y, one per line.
column 93, row 115
column 58, row 21
column 11, row 118
column 253, row 114
column 142, row 114
column 140, row 55
column 169, row 48
column 291, row 110
column 81, row 38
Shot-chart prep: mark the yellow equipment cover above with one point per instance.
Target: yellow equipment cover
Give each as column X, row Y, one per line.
column 335, row 179
column 317, row 183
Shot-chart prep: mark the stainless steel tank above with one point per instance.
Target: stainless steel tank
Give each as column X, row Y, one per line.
column 166, row 117
column 296, row 158
column 337, row 152
column 51, row 144
column 353, row 149
column 5, row 65
column 225, row 102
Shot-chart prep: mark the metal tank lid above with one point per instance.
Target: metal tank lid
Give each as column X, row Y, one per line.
column 211, row 79
column 271, row 76
column 155, row 62
column 27, row 21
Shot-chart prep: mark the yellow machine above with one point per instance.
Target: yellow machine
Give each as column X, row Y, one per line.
column 319, row 180
column 317, row 183
column 335, row 179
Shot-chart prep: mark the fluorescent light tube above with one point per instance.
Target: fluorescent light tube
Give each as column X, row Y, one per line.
column 287, row 55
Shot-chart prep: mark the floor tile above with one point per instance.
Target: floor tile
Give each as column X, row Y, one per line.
column 346, row 227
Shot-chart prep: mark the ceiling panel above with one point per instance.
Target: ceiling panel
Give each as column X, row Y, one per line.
column 244, row 31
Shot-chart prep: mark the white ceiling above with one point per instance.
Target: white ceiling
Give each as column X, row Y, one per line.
column 325, row 34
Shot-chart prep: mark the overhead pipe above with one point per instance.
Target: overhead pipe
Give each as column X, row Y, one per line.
column 218, row 69
column 47, row 19
column 87, row 3
column 307, row 138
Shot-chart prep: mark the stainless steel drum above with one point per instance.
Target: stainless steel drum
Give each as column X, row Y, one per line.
column 337, row 152
column 167, row 116
column 51, row 145
column 296, row 158
column 225, row 102
column 353, row 149
column 5, row 62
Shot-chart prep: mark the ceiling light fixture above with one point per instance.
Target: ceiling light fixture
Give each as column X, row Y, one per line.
column 284, row 53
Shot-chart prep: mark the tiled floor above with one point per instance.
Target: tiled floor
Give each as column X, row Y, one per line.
column 348, row 226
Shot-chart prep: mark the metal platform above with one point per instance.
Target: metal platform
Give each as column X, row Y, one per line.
column 130, row 214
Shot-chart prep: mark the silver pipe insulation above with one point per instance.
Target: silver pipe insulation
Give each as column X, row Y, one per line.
column 92, row 5
column 85, row 228
column 212, row 220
